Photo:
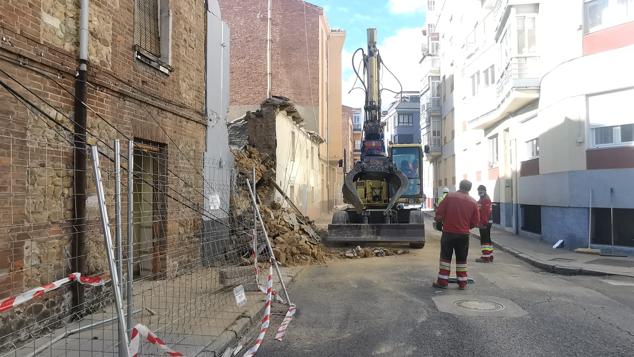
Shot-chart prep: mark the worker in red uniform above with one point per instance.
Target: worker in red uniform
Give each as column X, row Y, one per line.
column 457, row 213
column 484, row 203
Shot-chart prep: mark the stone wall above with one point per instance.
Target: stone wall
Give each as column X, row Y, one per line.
column 38, row 47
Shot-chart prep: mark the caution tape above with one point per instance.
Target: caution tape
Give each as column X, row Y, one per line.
column 13, row 301
column 266, row 320
column 141, row 331
column 287, row 320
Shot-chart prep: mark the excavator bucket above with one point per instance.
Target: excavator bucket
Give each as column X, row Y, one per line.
column 365, row 224
column 380, row 169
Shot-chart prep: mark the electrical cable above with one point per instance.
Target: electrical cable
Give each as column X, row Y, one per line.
column 111, row 125
column 356, row 72
column 393, row 75
column 28, row 104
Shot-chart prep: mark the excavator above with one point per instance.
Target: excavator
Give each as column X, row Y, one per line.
column 383, row 191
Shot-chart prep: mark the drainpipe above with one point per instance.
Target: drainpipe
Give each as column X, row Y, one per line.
column 79, row 138
column 269, row 73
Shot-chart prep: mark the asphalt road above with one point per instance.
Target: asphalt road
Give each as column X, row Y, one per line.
column 387, row 307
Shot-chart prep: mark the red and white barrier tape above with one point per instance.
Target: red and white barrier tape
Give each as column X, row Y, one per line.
column 142, row 331
column 287, row 320
column 266, row 320
column 13, row 301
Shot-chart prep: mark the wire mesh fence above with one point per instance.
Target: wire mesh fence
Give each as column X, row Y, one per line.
column 182, row 241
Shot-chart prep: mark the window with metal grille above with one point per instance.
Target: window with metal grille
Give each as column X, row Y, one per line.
column 153, row 33
column 146, row 25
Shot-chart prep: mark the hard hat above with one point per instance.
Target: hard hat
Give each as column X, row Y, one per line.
column 445, row 190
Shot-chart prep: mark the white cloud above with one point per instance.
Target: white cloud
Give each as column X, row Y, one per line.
column 401, row 53
column 406, row 6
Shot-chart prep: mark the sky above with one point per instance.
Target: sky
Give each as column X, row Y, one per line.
column 399, row 24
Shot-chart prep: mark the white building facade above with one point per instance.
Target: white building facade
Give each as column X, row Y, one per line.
column 540, row 113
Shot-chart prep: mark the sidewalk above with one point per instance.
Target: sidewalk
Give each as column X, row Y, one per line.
column 558, row 261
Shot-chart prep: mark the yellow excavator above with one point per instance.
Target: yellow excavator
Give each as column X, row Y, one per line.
column 384, row 190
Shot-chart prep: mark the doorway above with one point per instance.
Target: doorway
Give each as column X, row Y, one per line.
column 150, row 209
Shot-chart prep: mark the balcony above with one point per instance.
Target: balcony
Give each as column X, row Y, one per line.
column 433, row 107
column 521, row 73
column 432, row 140
column 517, row 86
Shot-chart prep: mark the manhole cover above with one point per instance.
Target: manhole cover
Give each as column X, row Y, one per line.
column 479, row 305
column 562, row 260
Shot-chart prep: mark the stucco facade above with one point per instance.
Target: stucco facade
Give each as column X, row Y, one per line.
column 535, row 122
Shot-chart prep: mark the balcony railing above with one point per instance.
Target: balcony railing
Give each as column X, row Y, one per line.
column 433, row 107
column 520, row 73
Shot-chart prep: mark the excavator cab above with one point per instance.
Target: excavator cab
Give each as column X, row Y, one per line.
column 407, row 157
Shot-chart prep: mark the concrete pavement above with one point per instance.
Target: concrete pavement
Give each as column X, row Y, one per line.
column 558, row 261
column 386, row 306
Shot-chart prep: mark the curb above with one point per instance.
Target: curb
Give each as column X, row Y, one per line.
column 551, row 268
column 232, row 335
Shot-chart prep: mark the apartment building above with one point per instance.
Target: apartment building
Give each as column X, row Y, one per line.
column 357, row 132
column 435, row 175
column 402, row 119
column 539, row 92
column 135, row 70
column 347, row 132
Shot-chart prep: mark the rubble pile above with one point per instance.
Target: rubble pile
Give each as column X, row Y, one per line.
column 293, row 236
column 369, row 252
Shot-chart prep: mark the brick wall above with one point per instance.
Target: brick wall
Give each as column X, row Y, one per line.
column 294, row 48
column 38, row 46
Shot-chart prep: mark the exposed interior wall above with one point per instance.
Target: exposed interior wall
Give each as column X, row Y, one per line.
column 297, row 165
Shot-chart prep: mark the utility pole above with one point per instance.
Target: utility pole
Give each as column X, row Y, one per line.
column 268, row 50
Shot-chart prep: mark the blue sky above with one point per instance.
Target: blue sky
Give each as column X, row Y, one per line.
column 398, row 22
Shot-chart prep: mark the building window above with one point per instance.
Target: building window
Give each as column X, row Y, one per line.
column 600, row 14
column 357, row 145
column 489, row 76
column 431, row 5
column 532, row 218
column 153, row 33
column 405, row 139
column 475, row 83
column 526, row 35
column 356, row 121
column 293, row 146
column 493, row 151
column 434, row 84
column 610, row 118
column 406, row 119
column 532, row 148
column 613, row 135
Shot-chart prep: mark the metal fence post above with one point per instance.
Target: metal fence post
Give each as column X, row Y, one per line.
column 117, row 215
column 130, row 301
column 255, row 226
column 109, row 250
column 268, row 244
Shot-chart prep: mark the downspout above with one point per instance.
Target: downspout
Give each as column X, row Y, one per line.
column 269, row 73
column 79, row 183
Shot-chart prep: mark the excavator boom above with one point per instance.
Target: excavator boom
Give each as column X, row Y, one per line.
column 375, row 184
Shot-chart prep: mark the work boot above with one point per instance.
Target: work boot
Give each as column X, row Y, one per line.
column 438, row 286
column 483, row 260
column 462, row 286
